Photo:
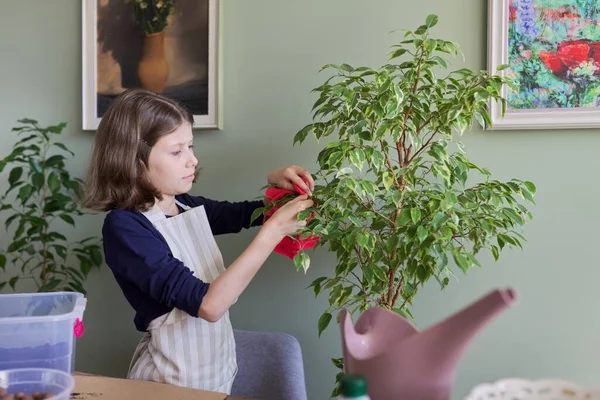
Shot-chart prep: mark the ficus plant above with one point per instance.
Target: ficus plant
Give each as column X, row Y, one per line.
column 394, row 200
column 40, row 202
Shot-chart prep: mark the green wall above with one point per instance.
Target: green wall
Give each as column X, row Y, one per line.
column 272, row 51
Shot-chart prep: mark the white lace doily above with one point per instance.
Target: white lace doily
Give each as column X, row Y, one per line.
column 523, row 389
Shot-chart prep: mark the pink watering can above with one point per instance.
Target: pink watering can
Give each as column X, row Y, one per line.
column 399, row 362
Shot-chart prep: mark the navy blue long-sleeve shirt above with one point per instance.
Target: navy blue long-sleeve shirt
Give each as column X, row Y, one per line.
column 151, row 278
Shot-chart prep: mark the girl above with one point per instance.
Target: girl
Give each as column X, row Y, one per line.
column 158, row 240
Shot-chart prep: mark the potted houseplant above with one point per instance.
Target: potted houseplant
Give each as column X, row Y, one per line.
column 41, row 195
column 151, row 16
column 393, row 201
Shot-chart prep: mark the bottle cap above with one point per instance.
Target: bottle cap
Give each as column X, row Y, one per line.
column 353, row 385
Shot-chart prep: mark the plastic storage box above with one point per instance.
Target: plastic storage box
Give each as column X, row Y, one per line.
column 31, row 380
column 36, row 330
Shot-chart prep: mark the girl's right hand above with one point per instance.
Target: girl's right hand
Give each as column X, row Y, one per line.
column 284, row 221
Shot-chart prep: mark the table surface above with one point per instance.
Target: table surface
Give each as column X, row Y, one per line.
column 95, row 387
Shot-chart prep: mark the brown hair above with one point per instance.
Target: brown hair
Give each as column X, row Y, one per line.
column 133, row 123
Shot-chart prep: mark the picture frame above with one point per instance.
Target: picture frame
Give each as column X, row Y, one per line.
column 114, row 47
column 552, row 49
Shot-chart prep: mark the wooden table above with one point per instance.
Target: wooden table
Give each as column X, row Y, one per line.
column 94, row 387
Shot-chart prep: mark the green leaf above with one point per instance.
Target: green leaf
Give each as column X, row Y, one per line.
column 461, row 261
column 304, row 215
column 378, row 110
column 513, row 216
column 379, row 273
column 62, row 146
column 362, row 238
column 316, row 285
column 301, row 135
column 257, row 213
column 377, row 160
column 16, row 245
column 56, row 235
column 15, row 175
column 531, row 187
column 25, row 193
column 415, row 215
column 357, row 157
column 10, row 219
column 404, row 217
column 61, row 251
column 96, row 256
column 53, row 182
column 439, row 219
column 423, row 273
column 302, row 261
column 392, row 243
column 35, row 165
column 54, row 160
column 397, row 53
column 495, row 252
column 338, row 362
column 13, row 281
column 26, row 139
column 355, row 220
column 420, row 30
column 369, row 188
column 50, row 285
column 67, row 218
column 84, row 264
column 347, row 67
column 37, row 180
column 324, row 321
column 473, row 260
column 2, row 261
column 388, row 180
column 422, row 233
column 528, row 196
column 431, row 20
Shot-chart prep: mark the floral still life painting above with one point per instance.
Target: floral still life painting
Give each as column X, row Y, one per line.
column 551, row 50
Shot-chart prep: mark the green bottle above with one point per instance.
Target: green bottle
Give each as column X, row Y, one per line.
column 353, row 386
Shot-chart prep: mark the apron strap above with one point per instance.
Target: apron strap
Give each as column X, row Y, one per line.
column 155, row 214
column 180, row 204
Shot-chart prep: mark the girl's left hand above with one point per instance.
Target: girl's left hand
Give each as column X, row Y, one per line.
column 285, row 177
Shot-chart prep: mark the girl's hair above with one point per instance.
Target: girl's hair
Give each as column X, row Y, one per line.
column 117, row 173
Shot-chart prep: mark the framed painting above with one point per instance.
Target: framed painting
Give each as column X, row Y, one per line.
column 552, row 49
column 167, row 46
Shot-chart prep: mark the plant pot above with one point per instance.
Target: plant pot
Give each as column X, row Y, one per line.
column 153, row 69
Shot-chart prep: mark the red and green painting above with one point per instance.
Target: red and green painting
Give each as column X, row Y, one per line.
column 554, row 53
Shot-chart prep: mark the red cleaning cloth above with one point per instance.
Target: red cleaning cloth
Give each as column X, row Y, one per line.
column 288, row 246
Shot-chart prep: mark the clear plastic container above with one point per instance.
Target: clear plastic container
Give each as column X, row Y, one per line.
column 31, row 380
column 36, row 330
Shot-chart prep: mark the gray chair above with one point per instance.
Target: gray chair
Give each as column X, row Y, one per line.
column 270, row 366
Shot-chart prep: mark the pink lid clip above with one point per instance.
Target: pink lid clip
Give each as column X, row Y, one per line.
column 78, row 329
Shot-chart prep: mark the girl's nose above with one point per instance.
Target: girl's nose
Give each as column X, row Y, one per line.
column 192, row 161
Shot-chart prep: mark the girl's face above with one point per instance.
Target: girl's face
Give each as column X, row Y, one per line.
column 172, row 163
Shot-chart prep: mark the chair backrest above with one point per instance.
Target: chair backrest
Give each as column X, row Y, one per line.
column 270, row 366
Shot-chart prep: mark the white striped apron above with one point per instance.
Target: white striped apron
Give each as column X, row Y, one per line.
column 177, row 348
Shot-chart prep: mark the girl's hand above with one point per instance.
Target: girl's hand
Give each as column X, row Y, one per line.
column 286, row 177
column 284, row 221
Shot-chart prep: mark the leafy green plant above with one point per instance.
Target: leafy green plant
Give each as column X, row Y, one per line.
column 393, row 200
column 40, row 195
column 151, row 15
